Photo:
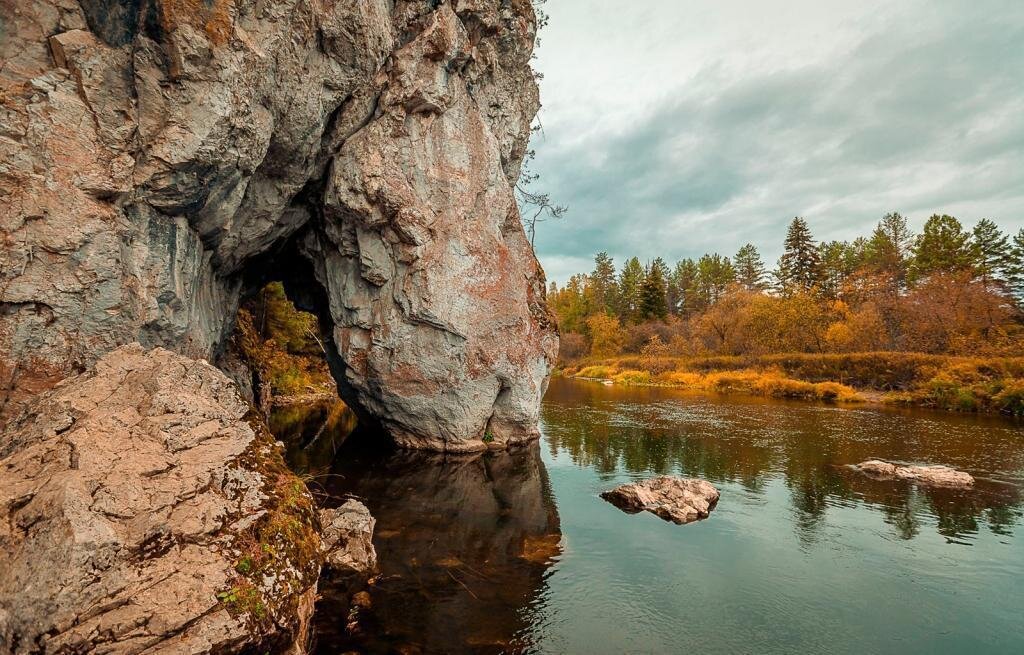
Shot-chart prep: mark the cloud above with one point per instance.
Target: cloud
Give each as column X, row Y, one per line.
column 920, row 112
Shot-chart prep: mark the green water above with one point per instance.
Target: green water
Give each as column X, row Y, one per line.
column 517, row 553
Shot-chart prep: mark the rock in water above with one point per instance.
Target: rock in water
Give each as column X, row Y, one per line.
column 680, row 500
column 940, row 476
column 143, row 508
column 348, row 539
column 159, row 158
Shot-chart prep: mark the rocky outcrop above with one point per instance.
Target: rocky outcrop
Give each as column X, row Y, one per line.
column 158, row 159
column 939, row 476
column 680, row 500
column 144, row 509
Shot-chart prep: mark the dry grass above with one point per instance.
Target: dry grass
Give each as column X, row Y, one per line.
column 953, row 383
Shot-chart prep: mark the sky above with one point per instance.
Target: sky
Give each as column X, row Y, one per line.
column 677, row 127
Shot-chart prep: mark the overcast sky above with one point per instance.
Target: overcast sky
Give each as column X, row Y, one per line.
column 678, row 127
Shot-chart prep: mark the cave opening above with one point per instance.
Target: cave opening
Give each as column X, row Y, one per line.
column 290, row 367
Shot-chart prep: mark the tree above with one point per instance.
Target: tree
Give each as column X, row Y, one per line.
column 800, row 264
column 838, row 263
column 631, row 279
column 681, row 287
column 942, row 246
column 1015, row 267
column 653, row 292
column 889, row 249
column 535, row 206
column 991, row 253
column 750, row 271
column 714, row 275
column 604, row 288
column 606, row 336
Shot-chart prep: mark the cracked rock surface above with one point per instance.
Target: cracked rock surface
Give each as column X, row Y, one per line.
column 128, row 496
column 680, row 500
column 156, row 157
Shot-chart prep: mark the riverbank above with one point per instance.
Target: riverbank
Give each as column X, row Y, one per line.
column 961, row 384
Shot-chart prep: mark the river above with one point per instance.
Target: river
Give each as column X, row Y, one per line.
column 516, row 552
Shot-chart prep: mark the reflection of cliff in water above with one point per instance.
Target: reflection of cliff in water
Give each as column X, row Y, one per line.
column 463, row 542
column 756, row 442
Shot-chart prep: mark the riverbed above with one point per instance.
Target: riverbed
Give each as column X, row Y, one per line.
column 516, row 552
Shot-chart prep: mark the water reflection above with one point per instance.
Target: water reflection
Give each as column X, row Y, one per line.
column 749, row 441
column 463, row 544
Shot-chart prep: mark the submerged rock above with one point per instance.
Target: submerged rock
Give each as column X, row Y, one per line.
column 680, row 500
column 941, row 476
column 144, row 508
column 160, row 158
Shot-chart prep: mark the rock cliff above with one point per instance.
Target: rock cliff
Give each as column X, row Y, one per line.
column 159, row 159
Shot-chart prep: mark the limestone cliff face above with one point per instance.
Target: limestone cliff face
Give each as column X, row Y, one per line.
column 158, row 158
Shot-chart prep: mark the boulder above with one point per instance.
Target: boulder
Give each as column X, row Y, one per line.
column 680, row 500
column 144, row 508
column 348, row 539
column 939, row 476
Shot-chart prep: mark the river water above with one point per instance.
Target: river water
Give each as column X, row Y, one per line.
column 516, row 552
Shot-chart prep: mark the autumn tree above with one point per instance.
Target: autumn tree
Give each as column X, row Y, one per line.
column 800, row 264
column 750, row 270
column 606, row 336
column 839, row 261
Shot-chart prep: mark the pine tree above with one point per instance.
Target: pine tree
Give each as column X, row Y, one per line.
column 604, row 288
column 1015, row 268
column 889, row 249
column 838, row 263
column 652, row 292
column 750, row 271
column 631, row 279
column 800, row 264
column 682, row 287
column 714, row 274
column 942, row 247
column 991, row 253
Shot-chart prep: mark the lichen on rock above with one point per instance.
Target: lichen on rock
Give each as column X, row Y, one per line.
column 131, row 497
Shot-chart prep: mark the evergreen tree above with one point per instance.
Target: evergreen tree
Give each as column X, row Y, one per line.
column 839, row 260
column 682, row 288
column 800, row 264
column 942, row 247
column 750, row 271
column 889, row 249
column 1015, row 268
column 991, row 253
column 631, row 279
column 604, row 288
column 653, row 291
column 714, row 274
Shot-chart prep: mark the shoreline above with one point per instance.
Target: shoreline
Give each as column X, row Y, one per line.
column 993, row 386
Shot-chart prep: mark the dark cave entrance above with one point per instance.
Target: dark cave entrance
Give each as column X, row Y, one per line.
column 283, row 333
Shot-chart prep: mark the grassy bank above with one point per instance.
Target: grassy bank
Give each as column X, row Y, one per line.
column 944, row 382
